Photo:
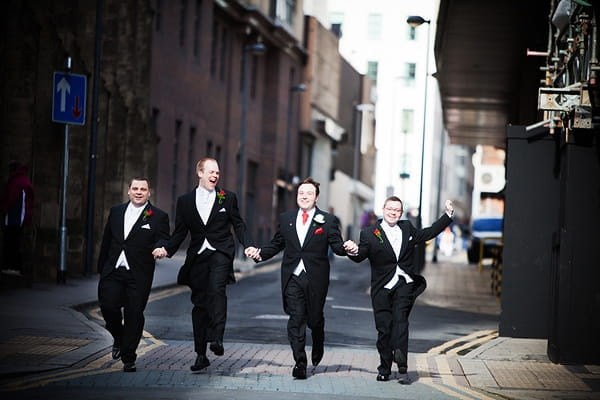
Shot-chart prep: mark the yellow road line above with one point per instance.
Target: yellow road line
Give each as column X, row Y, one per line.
column 456, row 350
column 444, row 347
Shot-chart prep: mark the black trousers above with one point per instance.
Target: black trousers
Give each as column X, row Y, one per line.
column 391, row 308
column 208, row 280
column 122, row 303
column 303, row 312
column 12, row 247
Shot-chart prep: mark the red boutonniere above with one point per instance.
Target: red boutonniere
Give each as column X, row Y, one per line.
column 377, row 233
column 318, row 231
column 221, row 195
column 147, row 214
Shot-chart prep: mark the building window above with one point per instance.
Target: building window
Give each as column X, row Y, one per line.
column 372, row 67
column 405, row 166
column 182, row 14
column 209, row 148
column 158, row 16
column 283, row 10
column 224, row 47
column 214, row 45
column 406, row 125
column 374, row 27
column 218, row 152
column 197, row 21
column 411, row 32
column 410, row 73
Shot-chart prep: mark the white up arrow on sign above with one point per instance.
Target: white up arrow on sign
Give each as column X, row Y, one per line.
column 63, row 87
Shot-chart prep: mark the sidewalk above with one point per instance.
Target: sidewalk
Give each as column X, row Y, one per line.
column 42, row 331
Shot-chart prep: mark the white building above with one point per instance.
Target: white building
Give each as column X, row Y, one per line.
column 379, row 42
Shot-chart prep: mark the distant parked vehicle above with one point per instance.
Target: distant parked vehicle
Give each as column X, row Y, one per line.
column 487, row 231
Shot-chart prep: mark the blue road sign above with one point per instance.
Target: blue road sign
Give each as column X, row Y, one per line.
column 68, row 98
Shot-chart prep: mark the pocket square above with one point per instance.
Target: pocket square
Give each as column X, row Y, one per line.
column 410, row 238
column 147, row 226
column 222, row 209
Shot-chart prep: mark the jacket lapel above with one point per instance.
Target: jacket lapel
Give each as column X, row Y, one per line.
column 216, row 206
column 138, row 222
column 386, row 242
column 405, row 239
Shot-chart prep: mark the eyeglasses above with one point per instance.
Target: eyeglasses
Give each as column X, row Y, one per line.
column 396, row 210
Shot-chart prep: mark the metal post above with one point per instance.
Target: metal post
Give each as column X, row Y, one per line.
column 62, row 264
column 89, row 237
column 420, row 216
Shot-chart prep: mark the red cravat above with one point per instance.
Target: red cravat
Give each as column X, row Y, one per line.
column 304, row 217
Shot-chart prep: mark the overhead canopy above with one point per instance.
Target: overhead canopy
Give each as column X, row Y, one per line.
column 485, row 78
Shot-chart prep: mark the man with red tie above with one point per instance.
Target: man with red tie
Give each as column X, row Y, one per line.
column 305, row 235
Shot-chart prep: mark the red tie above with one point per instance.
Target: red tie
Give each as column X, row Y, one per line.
column 304, row 217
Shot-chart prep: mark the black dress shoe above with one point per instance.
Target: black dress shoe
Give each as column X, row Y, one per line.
column 402, row 370
column 217, row 348
column 299, row 371
column 383, row 377
column 116, row 352
column 317, row 354
column 400, row 358
column 129, row 367
column 201, row 363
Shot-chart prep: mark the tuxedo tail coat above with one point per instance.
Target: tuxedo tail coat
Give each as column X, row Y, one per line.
column 313, row 251
column 375, row 245
column 150, row 230
column 223, row 216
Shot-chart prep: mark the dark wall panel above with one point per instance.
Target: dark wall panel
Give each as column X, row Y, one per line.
column 530, row 218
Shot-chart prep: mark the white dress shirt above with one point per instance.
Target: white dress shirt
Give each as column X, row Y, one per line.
column 132, row 213
column 302, row 230
column 204, row 203
column 394, row 235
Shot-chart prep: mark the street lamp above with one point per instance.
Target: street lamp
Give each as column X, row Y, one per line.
column 255, row 48
column 415, row 21
column 288, row 144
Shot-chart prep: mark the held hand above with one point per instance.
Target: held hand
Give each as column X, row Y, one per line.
column 159, row 253
column 449, row 208
column 350, row 247
column 253, row 253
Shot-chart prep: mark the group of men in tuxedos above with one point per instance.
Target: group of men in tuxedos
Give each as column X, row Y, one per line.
column 137, row 233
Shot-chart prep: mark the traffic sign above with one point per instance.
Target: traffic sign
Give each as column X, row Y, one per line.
column 68, row 98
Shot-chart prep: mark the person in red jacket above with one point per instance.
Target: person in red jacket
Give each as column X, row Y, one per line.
column 16, row 212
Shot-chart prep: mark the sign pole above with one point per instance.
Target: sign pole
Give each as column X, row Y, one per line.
column 62, row 265
column 61, row 276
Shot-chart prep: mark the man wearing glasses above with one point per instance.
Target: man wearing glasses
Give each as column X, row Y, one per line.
column 389, row 245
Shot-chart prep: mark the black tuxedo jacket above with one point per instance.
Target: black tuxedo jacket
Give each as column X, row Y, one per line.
column 224, row 215
column 382, row 257
column 314, row 250
column 148, row 233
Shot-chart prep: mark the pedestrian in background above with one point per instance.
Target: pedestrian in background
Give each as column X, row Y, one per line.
column 305, row 235
column 16, row 211
column 208, row 213
column 126, row 267
column 389, row 246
